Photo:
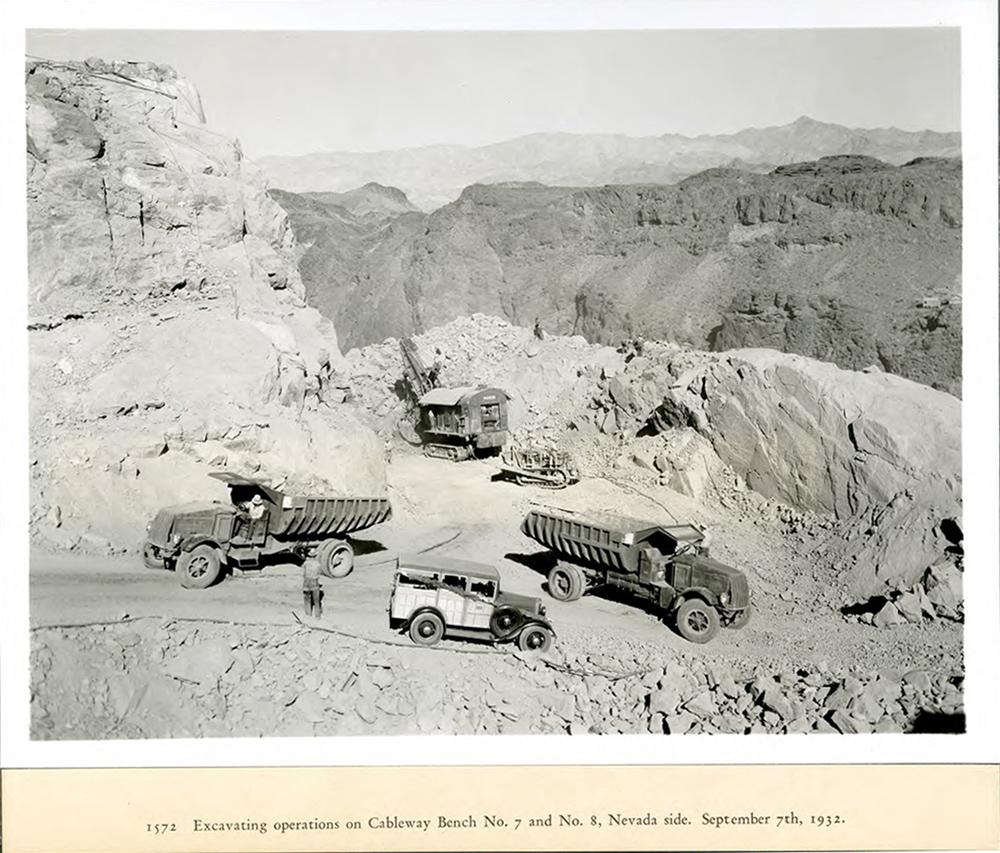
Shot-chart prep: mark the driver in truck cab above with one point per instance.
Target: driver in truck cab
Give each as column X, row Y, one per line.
column 256, row 507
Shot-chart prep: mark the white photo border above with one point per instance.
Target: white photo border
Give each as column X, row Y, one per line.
column 980, row 744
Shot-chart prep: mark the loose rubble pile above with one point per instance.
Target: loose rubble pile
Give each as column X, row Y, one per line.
column 937, row 595
column 546, row 377
column 155, row 678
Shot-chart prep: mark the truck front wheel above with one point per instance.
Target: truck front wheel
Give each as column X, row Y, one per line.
column 566, row 583
column 336, row 558
column 199, row 568
column 697, row 621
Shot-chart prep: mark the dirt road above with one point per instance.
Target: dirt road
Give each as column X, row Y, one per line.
column 456, row 510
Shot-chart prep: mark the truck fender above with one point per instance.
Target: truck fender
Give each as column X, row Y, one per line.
column 193, row 542
column 701, row 592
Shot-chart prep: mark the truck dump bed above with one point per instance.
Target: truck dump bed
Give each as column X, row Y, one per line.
column 608, row 541
column 321, row 518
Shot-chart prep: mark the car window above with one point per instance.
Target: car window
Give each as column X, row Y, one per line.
column 416, row 579
column 453, row 582
column 487, row 589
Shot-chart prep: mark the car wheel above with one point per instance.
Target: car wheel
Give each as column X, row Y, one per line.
column 741, row 618
column 697, row 621
column 150, row 559
column 426, row 629
column 336, row 558
column 504, row 621
column 199, row 568
column 535, row 638
column 566, row 583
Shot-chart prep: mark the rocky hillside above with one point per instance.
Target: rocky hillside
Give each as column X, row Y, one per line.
column 169, row 330
column 437, row 174
column 846, row 259
column 876, row 455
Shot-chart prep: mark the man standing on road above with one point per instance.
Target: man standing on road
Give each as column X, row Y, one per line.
column 312, row 592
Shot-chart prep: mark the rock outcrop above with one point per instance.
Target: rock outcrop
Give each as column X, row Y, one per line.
column 169, row 326
column 879, row 453
column 847, row 259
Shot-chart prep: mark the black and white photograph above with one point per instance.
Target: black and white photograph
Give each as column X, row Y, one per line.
column 551, row 382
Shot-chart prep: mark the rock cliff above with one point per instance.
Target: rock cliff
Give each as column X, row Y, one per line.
column 877, row 452
column 169, row 330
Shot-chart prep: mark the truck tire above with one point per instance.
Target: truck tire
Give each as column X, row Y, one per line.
column 566, row 583
column 741, row 618
column 426, row 629
column 200, row 567
column 505, row 621
column 336, row 558
column 697, row 622
column 534, row 638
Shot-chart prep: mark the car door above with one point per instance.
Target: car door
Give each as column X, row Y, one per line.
column 452, row 598
column 479, row 608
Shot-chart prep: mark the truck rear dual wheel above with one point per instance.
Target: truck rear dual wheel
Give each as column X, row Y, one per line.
column 199, row 568
column 336, row 558
column 697, row 622
column 566, row 583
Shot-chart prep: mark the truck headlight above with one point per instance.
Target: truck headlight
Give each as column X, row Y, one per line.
column 724, row 599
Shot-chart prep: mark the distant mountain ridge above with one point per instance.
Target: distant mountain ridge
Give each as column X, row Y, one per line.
column 435, row 175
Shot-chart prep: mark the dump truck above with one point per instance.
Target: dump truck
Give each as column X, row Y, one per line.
column 200, row 540
column 667, row 566
column 437, row 597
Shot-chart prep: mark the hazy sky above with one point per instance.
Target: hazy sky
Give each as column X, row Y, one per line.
column 296, row 92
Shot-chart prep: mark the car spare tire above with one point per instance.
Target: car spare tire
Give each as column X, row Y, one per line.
column 505, row 621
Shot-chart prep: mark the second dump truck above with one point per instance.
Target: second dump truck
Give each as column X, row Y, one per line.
column 666, row 565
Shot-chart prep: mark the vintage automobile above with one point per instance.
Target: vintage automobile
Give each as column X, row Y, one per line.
column 439, row 597
column 666, row 565
column 201, row 538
